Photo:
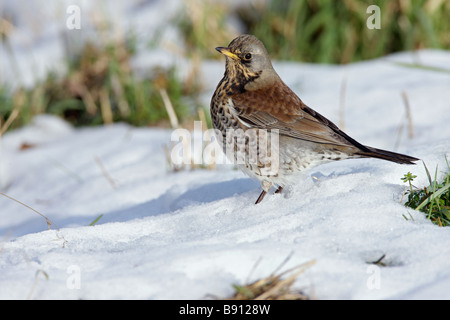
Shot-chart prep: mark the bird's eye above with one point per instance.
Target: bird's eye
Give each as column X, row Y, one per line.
column 248, row 56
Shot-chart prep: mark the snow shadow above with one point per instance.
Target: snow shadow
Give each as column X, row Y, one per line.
column 172, row 201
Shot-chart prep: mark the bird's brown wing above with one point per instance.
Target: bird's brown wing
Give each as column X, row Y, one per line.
column 278, row 107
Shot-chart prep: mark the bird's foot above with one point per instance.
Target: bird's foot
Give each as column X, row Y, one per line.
column 279, row 190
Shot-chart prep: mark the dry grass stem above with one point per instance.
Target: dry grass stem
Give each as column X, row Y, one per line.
column 105, row 106
column 273, row 287
column 49, row 222
column 124, row 107
column 402, row 124
column 88, row 100
column 8, row 121
column 342, row 103
column 169, row 107
column 408, row 115
column 105, row 172
column 36, row 281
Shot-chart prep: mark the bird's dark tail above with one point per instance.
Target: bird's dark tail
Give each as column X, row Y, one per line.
column 388, row 155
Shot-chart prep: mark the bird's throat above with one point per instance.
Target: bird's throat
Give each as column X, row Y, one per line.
column 239, row 78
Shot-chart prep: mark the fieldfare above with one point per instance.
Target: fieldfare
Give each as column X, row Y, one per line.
column 266, row 129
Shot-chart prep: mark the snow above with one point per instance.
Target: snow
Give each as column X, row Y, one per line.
column 194, row 233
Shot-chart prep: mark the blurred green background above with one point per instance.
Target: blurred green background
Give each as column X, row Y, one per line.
column 324, row 31
column 100, row 87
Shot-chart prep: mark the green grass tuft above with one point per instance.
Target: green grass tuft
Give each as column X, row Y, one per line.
column 433, row 200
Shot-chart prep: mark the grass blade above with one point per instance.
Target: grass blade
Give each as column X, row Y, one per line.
column 433, row 196
column 96, row 220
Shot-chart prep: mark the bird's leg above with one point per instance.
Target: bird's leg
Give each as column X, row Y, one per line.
column 261, row 197
column 279, row 190
column 266, row 185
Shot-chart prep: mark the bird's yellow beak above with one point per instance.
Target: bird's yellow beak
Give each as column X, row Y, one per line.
column 227, row 53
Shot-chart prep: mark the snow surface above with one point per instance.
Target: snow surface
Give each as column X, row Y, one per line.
column 184, row 235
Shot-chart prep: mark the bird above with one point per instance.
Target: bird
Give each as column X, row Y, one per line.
column 253, row 103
